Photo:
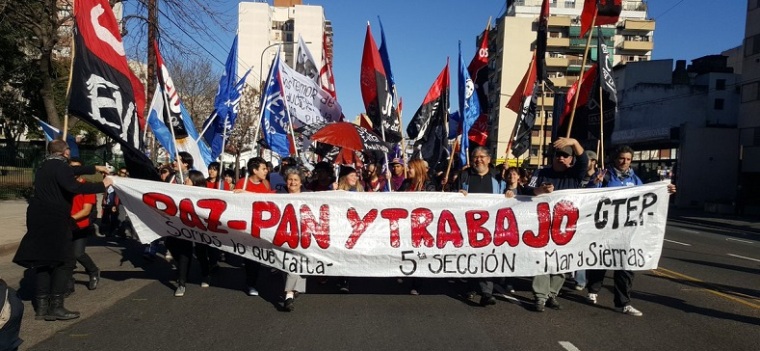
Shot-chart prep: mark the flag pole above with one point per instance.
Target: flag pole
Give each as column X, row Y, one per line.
column 542, row 137
column 580, row 78
column 601, row 126
column 382, row 131
column 68, row 90
column 211, row 120
column 403, row 138
column 451, row 160
column 219, row 179
column 293, row 135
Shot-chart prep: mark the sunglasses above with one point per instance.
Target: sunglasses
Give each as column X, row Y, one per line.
column 561, row 155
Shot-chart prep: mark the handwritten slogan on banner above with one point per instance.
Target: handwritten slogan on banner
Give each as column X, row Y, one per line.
column 341, row 233
column 306, row 101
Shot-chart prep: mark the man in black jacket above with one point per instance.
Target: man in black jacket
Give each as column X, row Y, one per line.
column 47, row 245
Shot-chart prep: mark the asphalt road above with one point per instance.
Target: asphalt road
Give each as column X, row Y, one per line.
column 704, row 296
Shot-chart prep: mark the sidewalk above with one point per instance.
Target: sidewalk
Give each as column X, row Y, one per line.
column 748, row 224
column 13, row 224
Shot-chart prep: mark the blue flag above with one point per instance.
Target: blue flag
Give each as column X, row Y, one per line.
column 455, row 124
column 469, row 106
column 274, row 114
column 386, row 61
column 225, row 104
column 52, row 133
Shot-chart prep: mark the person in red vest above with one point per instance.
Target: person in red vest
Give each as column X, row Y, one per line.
column 82, row 205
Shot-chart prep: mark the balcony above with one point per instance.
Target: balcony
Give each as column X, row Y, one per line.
column 638, row 25
column 635, row 45
column 557, row 61
column 559, row 81
column 575, row 31
column 558, row 42
column 559, row 21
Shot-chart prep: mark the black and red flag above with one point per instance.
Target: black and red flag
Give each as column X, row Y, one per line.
column 580, row 128
column 376, row 93
column 598, row 98
column 478, row 70
column 523, row 102
column 428, row 125
column 607, row 12
column 104, row 90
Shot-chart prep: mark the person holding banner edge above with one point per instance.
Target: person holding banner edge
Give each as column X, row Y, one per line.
column 619, row 173
column 568, row 167
column 47, row 246
column 294, row 284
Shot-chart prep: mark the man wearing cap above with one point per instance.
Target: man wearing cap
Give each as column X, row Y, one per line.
column 397, row 173
column 591, row 170
column 562, row 174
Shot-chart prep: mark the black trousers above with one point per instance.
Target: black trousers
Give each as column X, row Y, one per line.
column 623, row 284
column 53, row 279
column 80, row 243
column 9, row 340
column 252, row 269
column 182, row 251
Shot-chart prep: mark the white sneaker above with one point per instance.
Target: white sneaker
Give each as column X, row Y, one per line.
column 631, row 311
column 204, row 283
column 591, row 298
column 252, row 291
column 180, row 291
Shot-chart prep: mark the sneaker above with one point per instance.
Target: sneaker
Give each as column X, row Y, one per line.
column 205, row 283
column 631, row 311
column 510, row 289
column 414, row 292
column 486, row 300
column 591, row 298
column 579, row 287
column 538, row 306
column 289, row 307
column 553, row 303
column 180, row 291
column 399, row 280
column 343, row 287
column 252, row 291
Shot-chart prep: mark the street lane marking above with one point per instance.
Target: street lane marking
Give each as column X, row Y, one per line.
column 740, row 240
column 671, row 274
column 689, row 231
column 677, row 242
column 744, row 257
column 568, row 346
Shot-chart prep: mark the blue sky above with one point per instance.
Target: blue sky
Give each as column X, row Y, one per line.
column 421, row 34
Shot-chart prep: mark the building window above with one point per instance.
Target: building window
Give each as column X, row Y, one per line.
column 720, row 84
column 752, row 45
column 718, row 104
column 750, row 92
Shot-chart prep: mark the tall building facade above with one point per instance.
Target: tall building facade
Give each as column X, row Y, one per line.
column 264, row 28
column 749, row 110
column 513, row 40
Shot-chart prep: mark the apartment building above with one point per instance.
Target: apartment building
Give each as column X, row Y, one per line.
column 513, row 40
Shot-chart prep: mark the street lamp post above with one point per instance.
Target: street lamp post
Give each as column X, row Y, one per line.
column 261, row 60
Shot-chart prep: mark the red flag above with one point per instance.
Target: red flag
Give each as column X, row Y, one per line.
column 478, row 70
column 326, row 78
column 377, row 98
column 479, row 131
column 607, row 12
column 585, row 92
column 524, row 89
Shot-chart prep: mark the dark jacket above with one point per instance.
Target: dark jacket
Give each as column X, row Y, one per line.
column 498, row 186
column 407, row 186
column 48, row 217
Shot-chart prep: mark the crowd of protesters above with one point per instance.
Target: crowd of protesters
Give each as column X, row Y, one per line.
column 570, row 167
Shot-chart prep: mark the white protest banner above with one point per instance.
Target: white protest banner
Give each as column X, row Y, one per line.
column 429, row 234
column 305, row 99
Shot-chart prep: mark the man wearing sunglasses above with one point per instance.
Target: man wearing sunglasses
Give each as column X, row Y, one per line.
column 568, row 166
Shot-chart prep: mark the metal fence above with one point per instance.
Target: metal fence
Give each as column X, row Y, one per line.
column 17, row 166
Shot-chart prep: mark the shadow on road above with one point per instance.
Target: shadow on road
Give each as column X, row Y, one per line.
column 685, row 306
